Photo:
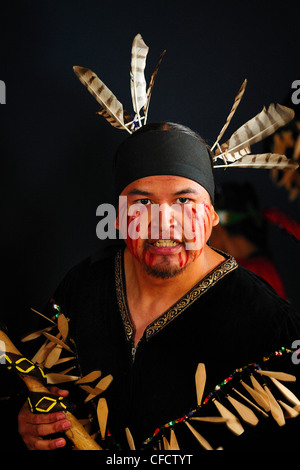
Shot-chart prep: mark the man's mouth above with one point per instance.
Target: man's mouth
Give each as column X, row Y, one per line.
column 166, row 243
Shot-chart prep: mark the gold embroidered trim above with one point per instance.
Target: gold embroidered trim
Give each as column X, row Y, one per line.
column 199, row 289
column 121, row 297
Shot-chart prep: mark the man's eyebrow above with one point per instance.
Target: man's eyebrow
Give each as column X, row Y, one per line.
column 139, row 192
column 186, row 191
column 142, row 192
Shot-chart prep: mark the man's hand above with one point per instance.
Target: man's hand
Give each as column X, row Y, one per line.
column 33, row 427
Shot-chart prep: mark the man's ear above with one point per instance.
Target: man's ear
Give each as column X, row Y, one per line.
column 215, row 219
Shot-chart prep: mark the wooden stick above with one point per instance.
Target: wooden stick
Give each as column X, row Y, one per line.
column 77, row 434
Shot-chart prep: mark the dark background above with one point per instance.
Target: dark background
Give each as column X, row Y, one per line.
column 56, row 152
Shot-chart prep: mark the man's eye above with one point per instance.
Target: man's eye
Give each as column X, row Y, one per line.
column 182, row 200
column 145, row 202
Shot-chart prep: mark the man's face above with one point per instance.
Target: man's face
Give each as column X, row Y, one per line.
column 166, row 221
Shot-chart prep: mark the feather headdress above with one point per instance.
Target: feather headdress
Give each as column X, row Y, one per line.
column 236, row 152
column 111, row 108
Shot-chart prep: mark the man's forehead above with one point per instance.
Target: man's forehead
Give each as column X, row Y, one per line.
column 175, row 185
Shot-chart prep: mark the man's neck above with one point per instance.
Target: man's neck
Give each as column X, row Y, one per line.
column 184, row 280
column 149, row 297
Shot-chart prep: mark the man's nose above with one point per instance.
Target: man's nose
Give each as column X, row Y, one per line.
column 166, row 217
column 163, row 221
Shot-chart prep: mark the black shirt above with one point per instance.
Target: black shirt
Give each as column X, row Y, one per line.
column 229, row 319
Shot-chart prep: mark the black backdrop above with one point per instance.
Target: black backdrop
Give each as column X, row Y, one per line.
column 56, row 152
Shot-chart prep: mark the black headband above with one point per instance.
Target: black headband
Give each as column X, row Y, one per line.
column 163, row 152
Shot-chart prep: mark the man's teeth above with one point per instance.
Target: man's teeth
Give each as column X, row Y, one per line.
column 165, row 243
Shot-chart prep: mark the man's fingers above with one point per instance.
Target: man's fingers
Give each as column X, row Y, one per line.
column 33, row 434
column 44, row 428
column 33, row 427
column 58, row 391
column 39, row 418
column 41, row 444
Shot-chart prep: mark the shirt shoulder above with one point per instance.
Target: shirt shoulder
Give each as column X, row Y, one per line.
column 257, row 306
column 85, row 282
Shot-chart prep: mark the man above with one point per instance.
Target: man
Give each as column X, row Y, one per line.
column 166, row 302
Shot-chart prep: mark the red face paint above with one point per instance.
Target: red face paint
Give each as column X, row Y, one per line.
column 197, row 221
column 174, row 248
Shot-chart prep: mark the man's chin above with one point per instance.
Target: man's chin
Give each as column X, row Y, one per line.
column 159, row 273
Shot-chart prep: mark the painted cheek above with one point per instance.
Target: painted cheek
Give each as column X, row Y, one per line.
column 183, row 258
column 203, row 221
column 137, row 234
column 201, row 224
column 188, row 222
column 148, row 258
column 199, row 234
column 132, row 229
column 208, row 223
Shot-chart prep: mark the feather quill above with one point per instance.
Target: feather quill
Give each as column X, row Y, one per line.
column 286, row 392
column 250, row 402
column 173, row 441
column 129, row 439
column 113, row 108
column 232, row 421
column 151, row 84
column 36, row 334
column 276, row 410
column 99, row 388
column 39, row 313
column 237, row 101
column 139, row 53
column 278, row 375
column 56, row 378
column 263, row 160
column 63, row 326
column 291, row 412
column 102, row 414
column 209, row 419
column 56, row 340
column 199, row 437
column 256, row 385
column 166, row 443
column 244, row 411
column 232, row 157
column 259, row 127
column 126, row 117
column 41, row 355
column 53, row 357
column 90, row 377
column 257, row 397
column 200, row 379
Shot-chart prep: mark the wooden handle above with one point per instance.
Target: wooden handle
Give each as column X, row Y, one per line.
column 77, row 434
